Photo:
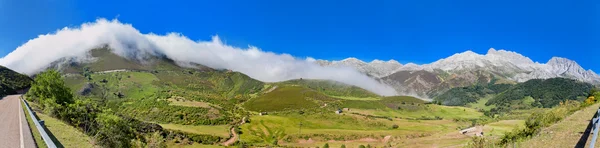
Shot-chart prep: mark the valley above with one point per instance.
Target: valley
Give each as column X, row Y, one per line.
column 295, row 74
column 169, row 105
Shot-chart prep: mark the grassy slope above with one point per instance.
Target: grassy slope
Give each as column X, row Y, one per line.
column 565, row 133
column 218, row 130
column 144, row 90
column 480, row 104
column 381, row 103
column 347, row 126
column 497, row 129
column 427, row 111
column 332, row 88
column 286, row 98
column 67, row 135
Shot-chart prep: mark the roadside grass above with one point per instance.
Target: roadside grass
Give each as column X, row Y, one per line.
column 34, row 131
column 67, row 135
column 480, row 104
column 216, row 130
column 565, row 133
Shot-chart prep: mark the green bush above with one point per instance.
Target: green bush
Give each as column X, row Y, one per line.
column 539, row 120
column 113, row 131
column 48, row 88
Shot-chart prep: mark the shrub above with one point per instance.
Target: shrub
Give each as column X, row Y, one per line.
column 113, row 131
column 479, row 142
column 539, row 120
column 49, row 89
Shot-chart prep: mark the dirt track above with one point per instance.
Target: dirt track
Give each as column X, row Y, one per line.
column 14, row 130
column 234, row 136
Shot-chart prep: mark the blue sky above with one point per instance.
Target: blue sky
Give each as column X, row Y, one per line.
column 408, row 31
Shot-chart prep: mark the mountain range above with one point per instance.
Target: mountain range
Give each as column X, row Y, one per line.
column 464, row 69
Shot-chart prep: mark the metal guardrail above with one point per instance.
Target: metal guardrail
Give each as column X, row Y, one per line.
column 39, row 126
column 595, row 127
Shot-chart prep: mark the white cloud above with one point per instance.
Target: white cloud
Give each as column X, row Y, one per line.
column 38, row 53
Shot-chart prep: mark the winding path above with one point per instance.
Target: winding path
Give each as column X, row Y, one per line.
column 235, row 135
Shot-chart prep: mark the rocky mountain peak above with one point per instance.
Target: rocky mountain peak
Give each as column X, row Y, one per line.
column 562, row 61
column 352, row 60
column 392, row 61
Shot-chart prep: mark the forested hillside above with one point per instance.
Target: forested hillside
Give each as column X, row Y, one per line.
column 460, row 96
column 546, row 93
column 11, row 81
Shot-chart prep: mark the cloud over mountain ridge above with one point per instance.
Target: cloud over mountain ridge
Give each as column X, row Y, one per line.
column 124, row 40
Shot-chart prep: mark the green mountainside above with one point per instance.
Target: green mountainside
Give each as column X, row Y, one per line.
column 200, row 106
column 460, row 96
column 156, row 90
column 332, row 88
column 546, row 93
column 11, row 81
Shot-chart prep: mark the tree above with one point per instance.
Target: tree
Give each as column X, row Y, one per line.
column 395, row 126
column 87, row 73
column 343, row 146
column 362, row 146
column 49, row 90
column 326, row 145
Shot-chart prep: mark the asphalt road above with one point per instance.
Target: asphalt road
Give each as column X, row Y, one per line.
column 14, row 130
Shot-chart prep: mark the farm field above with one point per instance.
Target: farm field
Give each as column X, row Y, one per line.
column 349, row 129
